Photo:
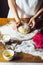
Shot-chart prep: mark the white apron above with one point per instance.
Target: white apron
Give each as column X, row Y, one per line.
column 28, row 6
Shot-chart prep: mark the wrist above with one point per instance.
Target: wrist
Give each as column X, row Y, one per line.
column 17, row 19
column 34, row 17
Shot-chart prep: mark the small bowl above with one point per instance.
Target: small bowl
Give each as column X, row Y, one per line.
column 8, row 54
column 6, row 38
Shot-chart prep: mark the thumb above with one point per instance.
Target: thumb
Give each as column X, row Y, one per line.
column 29, row 23
column 33, row 24
column 17, row 24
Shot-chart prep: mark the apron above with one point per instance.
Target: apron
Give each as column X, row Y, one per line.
column 27, row 7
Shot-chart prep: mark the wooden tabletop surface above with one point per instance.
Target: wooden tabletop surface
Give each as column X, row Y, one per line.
column 20, row 57
column 4, row 21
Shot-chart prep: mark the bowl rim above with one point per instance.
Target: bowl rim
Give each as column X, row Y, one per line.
column 7, row 36
column 11, row 51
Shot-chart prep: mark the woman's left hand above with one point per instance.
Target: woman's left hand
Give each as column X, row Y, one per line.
column 32, row 23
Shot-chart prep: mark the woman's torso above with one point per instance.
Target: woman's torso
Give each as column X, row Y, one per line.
column 28, row 8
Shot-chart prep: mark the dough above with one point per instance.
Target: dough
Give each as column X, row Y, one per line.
column 24, row 29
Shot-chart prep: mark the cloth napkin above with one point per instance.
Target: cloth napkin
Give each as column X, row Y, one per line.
column 26, row 46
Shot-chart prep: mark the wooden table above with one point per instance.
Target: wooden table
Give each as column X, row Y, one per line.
column 20, row 57
column 4, row 21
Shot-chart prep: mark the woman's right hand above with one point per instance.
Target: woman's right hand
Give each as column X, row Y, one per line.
column 16, row 24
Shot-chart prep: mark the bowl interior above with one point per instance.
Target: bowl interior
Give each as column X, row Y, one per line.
column 8, row 53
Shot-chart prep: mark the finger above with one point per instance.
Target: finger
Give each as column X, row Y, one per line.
column 18, row 24
column 29, row 23
column 15, row 28
column 33, row 24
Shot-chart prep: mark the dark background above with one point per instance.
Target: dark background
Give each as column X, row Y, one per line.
column 3, row 8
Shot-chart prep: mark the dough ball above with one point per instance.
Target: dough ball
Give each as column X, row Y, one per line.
column 24, row 29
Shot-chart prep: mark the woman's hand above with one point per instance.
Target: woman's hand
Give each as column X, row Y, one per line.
column 16, row 25
column 32, row 22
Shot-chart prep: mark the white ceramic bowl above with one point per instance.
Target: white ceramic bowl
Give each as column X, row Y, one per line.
column 8, row 54
column 6, row 38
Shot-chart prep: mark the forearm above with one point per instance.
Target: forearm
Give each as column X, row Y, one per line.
column 38, row 13
column 12, row 6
